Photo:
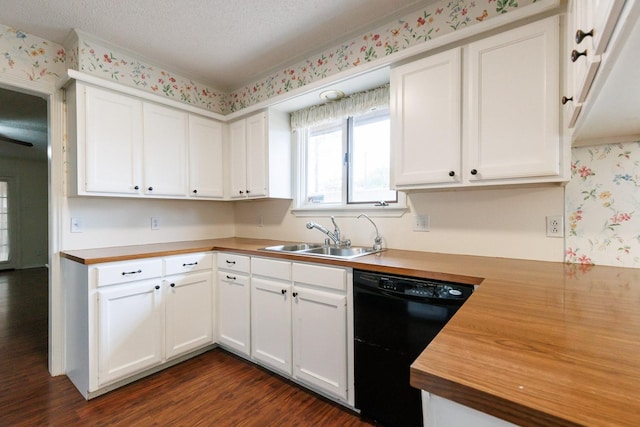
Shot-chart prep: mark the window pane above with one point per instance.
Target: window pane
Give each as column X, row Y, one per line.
column 370, row 159
column 324, row 165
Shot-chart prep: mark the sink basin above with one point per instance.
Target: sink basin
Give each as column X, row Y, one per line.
column 314, row 249
column 294, row 247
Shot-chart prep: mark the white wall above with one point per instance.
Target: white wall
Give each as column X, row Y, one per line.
column 32, row 187
column 501, row 222
column 111, row 221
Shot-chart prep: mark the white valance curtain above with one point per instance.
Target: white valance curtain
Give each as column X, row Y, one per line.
column 357, row 103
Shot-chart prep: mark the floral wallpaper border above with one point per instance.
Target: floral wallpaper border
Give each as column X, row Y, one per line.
column 37, row 57
column 29, row 57
column 602, row 206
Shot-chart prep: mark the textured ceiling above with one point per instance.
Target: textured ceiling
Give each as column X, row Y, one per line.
column 222, row 43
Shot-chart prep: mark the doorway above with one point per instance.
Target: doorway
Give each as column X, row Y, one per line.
column 24, row 188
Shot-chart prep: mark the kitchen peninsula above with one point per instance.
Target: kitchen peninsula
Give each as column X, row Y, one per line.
column 538, row 343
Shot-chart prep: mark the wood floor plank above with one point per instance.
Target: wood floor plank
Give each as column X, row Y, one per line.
column 213, row 389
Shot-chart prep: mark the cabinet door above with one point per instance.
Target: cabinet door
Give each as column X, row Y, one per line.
column 425, row 120
column 513, row 107
column 257, row 169
column 189, row 314
column 165, row 151
column 238, row 159
column 113, row 142
column 233, row 311
column 271, row 323
column 129, row 329
column 320, row 340
column 605, row 15
column 205, row 158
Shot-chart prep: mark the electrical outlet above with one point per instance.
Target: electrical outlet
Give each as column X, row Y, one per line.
column 76, row 225
column 155, row 223
column 555, row 226
column 421, row 222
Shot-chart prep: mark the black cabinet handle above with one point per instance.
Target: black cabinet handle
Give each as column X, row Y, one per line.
column 195, row 191
column 580, row 35
column 283, row 291
column 150, row 188
column 565, row 100
column 230, row 262
column 452, row 173
column 248, row 191
column 157, row 287
column 231, row 277
column 126, row 273
column 575, row 55
column 190, row 263
column 136, row 187
column 173, row 285
column 295, row 294
column 241, row 192
column 474, row 172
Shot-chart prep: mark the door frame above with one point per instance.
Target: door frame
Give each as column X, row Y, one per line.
column 55, row 149
column 14, row 222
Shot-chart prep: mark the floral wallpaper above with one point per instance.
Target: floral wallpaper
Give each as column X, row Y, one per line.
column 435, row 20
column 29, row 57
column 602, row 206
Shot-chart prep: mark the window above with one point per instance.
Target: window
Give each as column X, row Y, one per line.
column 4, row 221
column 346, row 162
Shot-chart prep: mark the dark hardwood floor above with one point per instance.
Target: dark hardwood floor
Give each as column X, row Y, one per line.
column 213, row 389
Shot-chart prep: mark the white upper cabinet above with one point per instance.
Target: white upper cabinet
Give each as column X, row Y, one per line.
column 206, row 169
column 260, row 156
column 513, row 113
column 425, row 107
column 111, row 126
column 608, row 110
column 165, row 151
column 122, row 146
column 508, row 131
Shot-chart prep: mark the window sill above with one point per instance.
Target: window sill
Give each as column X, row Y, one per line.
column 346, row 211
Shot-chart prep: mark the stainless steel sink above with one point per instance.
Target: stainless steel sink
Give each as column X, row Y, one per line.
column 294, row 247
column 323, row 250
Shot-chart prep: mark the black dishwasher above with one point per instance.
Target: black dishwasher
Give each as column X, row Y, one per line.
column 395, row 318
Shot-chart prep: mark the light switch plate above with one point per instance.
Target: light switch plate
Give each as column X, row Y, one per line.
column 421, row 222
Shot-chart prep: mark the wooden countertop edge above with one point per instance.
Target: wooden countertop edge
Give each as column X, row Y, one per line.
column 482, row 401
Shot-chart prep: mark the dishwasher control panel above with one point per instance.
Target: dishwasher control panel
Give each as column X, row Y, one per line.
column 413, row 287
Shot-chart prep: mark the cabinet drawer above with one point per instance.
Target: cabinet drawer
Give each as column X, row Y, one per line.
column 319, row 275
column 271, row 268
column 128, row 272
column 187, row 263
column 233, row 262
column 230, row 277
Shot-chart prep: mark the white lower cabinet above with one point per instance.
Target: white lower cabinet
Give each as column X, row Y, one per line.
column 234, row 303
column 129, row 319
column 129, row 329
column 299, row 322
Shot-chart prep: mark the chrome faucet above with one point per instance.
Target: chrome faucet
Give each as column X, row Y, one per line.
column 335, row 236
column 377, row 242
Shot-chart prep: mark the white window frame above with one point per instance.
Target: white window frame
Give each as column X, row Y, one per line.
column 303, row 209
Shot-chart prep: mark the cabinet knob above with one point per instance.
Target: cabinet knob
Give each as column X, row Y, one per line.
column 295, row 294
column 195, row 191
column 150, row 188
column 283, row 291
column 241, row 192
column 474, row 172
column 565, row 100
column 248, row 191
column 575, row 55
column 452, row 173
column 580, row 35
column 157, row 287
column 136, row 187
column 173, row 285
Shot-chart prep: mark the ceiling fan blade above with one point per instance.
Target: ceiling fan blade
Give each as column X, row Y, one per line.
column 15, row 141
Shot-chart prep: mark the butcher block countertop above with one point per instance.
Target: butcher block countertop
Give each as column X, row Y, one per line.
column 538, row 343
